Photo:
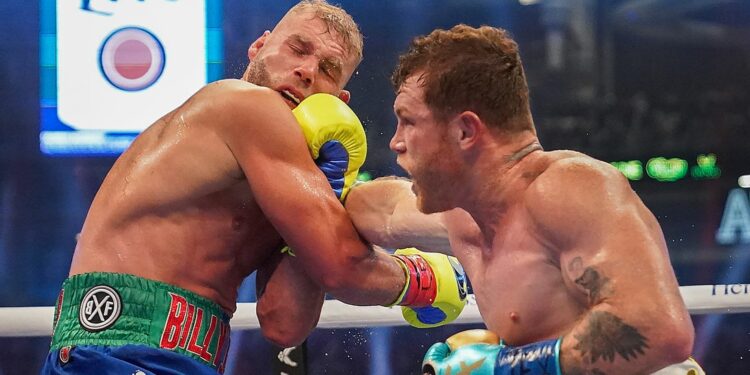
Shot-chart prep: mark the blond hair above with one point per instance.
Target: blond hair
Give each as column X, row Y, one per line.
column 335, row 18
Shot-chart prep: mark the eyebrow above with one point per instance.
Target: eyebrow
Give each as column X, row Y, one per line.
column 331, row 64
column 401, row 111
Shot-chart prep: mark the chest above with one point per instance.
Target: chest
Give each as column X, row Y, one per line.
column 517, row 282
column 244, row 230
column 511, row 271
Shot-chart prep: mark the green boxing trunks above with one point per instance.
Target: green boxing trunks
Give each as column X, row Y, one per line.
column 104, row 311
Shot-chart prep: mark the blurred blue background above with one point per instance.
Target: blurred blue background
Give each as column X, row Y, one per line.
column 623, row 80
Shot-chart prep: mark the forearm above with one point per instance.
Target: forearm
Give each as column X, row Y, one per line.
column 600, row 346
column 384, row 212
column 374, row 278
column 289, row 303
column 606, row 342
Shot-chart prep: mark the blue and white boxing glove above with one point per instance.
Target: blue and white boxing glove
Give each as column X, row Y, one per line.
column 479, row 352
column 335, row 138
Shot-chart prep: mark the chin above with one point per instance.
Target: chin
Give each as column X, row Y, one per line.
column 427, row 206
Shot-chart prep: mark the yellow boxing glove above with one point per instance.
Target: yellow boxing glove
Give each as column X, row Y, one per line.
column 472, row 336
column 435, row 290
column 335, row 137
column 474, row 351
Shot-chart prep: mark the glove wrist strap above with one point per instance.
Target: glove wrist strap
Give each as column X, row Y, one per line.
column 420, row 288
column 539, row 358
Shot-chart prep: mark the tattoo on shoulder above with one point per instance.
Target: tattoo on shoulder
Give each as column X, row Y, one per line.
column 596, row 285
column 606, row 336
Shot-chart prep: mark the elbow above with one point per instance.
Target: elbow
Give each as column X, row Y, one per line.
column 284, row 333
column 284, row 338
column 283, row 329
column 677, row 343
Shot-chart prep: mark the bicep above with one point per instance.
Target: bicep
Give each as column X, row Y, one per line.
column 624, row 276
column 610, row 246
column 618, row 257
column 285, row 182
column 613, row 255
column 299, row 203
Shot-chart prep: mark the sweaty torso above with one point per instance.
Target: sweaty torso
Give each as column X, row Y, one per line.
column 177, row 208
column 516, row 274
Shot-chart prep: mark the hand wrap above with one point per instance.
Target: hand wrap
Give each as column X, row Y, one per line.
column 435, row 290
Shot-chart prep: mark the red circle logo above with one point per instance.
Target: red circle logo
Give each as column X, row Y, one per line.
column 131, row 59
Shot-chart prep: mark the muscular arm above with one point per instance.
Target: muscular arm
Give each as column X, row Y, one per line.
column 269, row 146
column 385, row 213
column 289, row 303
column 614, row 257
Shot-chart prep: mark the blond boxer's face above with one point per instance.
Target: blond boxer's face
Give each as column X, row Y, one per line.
column 301, row 57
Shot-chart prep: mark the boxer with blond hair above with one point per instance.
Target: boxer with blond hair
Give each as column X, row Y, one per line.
column 213, row 191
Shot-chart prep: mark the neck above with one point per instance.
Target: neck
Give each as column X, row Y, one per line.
column 494, row 183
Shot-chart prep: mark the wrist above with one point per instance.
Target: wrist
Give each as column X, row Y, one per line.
column 420, row 287
column 539, row 358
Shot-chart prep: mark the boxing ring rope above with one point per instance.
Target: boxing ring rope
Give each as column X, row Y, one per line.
column 700, row 299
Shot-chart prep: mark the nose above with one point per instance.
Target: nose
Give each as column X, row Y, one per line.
column 306, row 71
column 397, row 144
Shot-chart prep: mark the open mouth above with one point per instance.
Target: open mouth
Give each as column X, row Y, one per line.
column 288, row 95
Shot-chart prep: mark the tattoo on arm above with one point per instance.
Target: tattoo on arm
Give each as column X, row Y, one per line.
column 606, row 336
column 596, row 285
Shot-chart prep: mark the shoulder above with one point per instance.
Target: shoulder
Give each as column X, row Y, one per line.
column 574, row 170
column 240, row 95
column 576, row 190
column 563, row 172
column 234, row 106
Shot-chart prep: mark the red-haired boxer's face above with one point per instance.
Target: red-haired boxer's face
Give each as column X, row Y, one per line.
column 301, row 57
column 423, row 149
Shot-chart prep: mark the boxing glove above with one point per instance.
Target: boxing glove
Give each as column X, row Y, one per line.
column 335, row 138
column 479, row 352
column 435, row 290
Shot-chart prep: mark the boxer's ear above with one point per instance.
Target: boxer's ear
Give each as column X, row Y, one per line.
column 469, row 128
column 345, row 96
column 255, row 47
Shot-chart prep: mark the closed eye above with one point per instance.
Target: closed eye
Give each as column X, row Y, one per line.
column 331, row 69
column 405, row 122
column 297, row 50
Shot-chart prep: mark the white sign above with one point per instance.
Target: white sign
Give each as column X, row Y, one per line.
column 122, row 64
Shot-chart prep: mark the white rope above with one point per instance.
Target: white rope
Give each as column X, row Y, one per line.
column 700, row 299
